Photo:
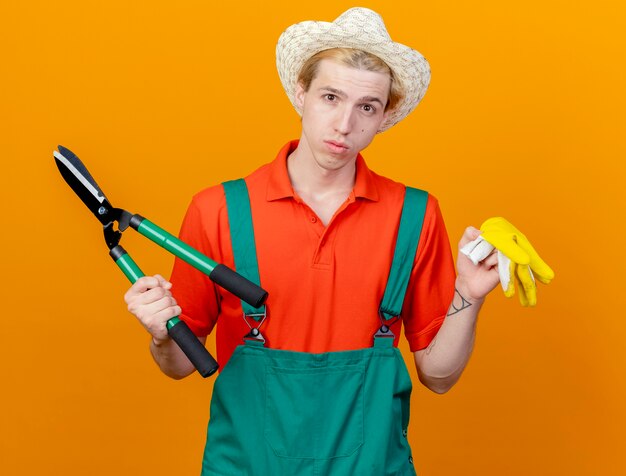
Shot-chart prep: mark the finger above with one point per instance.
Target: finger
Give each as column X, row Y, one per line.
column 506, row 244
column 144, row 283
column 467, row 248
column 542, row 271
column 469, row 234
column 153, row 295
column 476, row 250
column 506, row 270
column 497, row 223
column 481, row 251
column 139, row 287
column 158, row 325
column 148, row 313
column 136, row 302
column 492, row 259
column 527, row 286
column 159, row 305
column 522, row 294
column 163, row 282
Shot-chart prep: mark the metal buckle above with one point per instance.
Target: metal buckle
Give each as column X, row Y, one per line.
column 255, row 333
column 385, row 328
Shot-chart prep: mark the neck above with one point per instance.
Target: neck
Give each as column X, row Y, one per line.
column 323, row 184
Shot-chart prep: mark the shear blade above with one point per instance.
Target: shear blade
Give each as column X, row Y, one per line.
column 80, row 180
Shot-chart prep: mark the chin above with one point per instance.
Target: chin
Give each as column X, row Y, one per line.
column 332, row 162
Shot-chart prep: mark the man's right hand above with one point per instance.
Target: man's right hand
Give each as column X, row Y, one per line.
column 150, row 300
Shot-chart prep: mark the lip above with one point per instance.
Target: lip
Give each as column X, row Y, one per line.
column 336, row 147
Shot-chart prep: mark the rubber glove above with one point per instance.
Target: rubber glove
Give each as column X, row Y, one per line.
column 517, row 259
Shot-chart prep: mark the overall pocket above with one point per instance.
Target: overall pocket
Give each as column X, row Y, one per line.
column 314, row 413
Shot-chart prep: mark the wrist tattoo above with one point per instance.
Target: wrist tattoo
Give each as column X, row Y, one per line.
column 460, row 305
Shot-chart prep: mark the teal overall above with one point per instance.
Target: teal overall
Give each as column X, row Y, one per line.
column 277, row 412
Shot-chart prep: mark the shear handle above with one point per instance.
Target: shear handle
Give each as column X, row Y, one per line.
column 218, row 273
column 178, row 330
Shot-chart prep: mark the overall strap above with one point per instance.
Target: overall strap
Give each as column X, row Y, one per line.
column 409, row 232
column 242, row 238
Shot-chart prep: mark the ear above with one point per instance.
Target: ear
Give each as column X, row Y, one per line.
column 299, row 95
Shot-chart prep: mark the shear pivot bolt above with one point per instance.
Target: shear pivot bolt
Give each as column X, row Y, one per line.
column 102, row 210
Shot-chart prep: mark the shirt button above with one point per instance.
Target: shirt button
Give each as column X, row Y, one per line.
column 313, row 219
column 404, row 433
column 411, row 459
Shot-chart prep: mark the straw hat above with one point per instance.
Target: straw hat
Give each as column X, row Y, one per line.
column 358, row 28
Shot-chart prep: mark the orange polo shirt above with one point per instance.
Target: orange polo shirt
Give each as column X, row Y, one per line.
column 325, row 283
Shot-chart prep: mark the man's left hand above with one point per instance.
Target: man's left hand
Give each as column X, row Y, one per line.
column 517, row 260
column 474, row 282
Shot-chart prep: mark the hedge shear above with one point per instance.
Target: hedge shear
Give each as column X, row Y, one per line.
column 83, row 184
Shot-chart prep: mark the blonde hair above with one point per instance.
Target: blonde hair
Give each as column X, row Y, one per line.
column 354, row 58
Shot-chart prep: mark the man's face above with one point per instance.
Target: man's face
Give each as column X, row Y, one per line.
column 341, row 112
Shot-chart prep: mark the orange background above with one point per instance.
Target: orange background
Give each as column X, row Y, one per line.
column 524, row 118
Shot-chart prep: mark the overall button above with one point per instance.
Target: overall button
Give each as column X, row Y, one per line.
column 404, row 433
column 313, row 219
column 411, row 459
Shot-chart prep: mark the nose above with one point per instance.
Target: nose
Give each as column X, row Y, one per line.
column 344, row 120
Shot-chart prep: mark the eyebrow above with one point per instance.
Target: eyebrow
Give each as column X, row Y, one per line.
column 341, row 94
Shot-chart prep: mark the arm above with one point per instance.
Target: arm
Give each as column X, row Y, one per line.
column 440, row 365
column 151, row 301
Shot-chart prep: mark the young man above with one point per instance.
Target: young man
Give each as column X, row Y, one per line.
column 316, row 392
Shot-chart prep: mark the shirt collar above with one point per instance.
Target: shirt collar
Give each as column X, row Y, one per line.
column 279, row 185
